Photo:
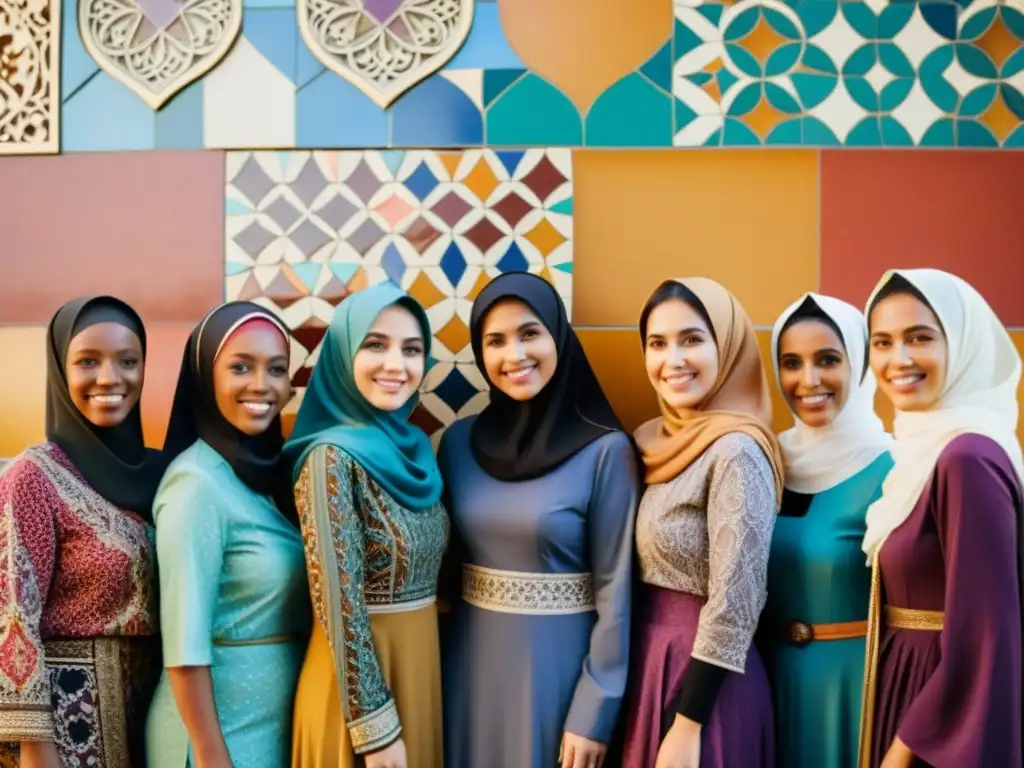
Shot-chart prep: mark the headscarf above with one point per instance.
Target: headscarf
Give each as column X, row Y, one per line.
column 979, row 396
column 255, row 459
column 113, row 460
column 395, row 453
column 515, row 440
column 737, row 402
column 819, row 458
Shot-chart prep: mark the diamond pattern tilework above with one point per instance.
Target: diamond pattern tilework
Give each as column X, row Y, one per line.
column 305, row 229
column 825, row 73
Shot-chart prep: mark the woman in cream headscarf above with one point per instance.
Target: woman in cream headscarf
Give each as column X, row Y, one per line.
column 836, row 457
column 943, row 682
column 699, row 695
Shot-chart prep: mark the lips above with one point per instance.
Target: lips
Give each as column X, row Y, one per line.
column 520, row 375
column 906, row 382
column 389, row 385
column 679, row 380
column 256, row 408
column 108, row 400
column 812, row 401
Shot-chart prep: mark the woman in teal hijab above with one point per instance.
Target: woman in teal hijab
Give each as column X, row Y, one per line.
column 368, row 494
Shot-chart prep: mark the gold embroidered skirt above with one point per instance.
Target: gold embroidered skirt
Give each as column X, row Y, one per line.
column 407, row 648
column 101, row 688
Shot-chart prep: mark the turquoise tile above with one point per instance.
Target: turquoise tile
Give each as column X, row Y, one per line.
column 682, row 115
column 816, row 16
column 781, row 24
column 744, row 60
column 894, row 134
column 565, row 206
column 1016, row 139
column 308, row 66
column 789, row 133
column 105, row 116
column 977, row 24
column 971, row 133
column 781, row 99
column 867, row 133
column 632, row 113
column 497, row 81
column 436, row 113
column 1013, row 65
column 658, row 68
column 746, row 100
column 1013, row 99
column 941, row 134
column 861, row 18
column 233, row 207
column 533, row 113
column 813, row 89
column 862, row 92
column 275, row 34
column 815, row 60
column 331, row 112
column 941, row 17
column 736, row 134
column 783, row 59
column 486, row 47
column 76, row 65
column 861, row 61
column 712, row 12
column 895, row 60
column 268, row 4
column 685, row 39
column 976, row 61
column 742, row 24
column 893, row 18
column 179, row 123
column 817, row 134
column 977, row 101
column 895, row 93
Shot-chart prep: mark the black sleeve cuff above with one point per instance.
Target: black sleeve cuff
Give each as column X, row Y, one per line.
column 701, row 684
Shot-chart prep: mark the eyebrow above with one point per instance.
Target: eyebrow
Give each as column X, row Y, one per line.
column 522, row 327
column 912, row 329
column 683, row 332
column 247, row 356
column 385, row 337
column 91, row 351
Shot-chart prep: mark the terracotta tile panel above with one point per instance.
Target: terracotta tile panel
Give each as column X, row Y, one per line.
column 144, row 226
column 958, row 211
column 746, row 218
column 163, row 362
column 781, row 417
column 23, row 389
column 618, row 361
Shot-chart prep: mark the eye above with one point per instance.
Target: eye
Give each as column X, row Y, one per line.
column 880, row 344
column 86, row 362
column 240, row 368
column 655, row 343
column 831, row 361
column 130, row 362
column 376, row 346
column 494, row 342
column 692, row 341
column 412, row 351
column 920, row 339
column 278, row 370
column 529, row 333
column 790, row 364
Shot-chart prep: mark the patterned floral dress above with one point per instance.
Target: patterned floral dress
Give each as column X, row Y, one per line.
column 79, row 655
column 373, row 669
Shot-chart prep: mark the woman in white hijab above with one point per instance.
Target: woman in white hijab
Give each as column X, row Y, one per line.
column 836, row 457
column 943, row 681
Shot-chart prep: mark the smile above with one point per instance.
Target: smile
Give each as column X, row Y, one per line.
column 813, row 400
column 107, row 399
column 679, row 379
column 256, row 409
column 520, row 375
column 389, row 385
column 907, row 382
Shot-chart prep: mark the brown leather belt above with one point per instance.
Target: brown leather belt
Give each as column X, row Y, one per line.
column 800, row 633
column 909, row 618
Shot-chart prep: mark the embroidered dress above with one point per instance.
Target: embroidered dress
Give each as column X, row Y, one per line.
column 232, row 597
column 702, row 542
column 372, row 672
column 79, row 654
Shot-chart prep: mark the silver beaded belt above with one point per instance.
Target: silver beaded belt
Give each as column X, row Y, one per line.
column 527, row 593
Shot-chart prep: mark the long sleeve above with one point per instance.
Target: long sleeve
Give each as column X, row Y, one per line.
column 610, row 519
column 969, row 711
column 190, row 544
column 449, row 580
column 333, row 533
column 741, row 511
column 28, row 548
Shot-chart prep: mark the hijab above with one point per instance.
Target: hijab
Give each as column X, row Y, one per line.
column 395, row 453
column 113, row 460
column 737, row 402
column 979, row 396
column 255, row 459
column 819, row 458
column 515, row 440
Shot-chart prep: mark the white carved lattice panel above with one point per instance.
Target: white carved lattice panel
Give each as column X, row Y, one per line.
column 157, row 47
column 29, row 77
column 384, row 47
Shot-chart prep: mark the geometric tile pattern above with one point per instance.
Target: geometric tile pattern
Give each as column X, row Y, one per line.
column 29, row 76
column 305, row 229
column 817, row 73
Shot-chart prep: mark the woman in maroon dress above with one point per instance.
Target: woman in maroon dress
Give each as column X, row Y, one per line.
column 943, row 683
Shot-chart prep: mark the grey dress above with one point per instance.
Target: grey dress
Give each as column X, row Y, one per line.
column 520, row 666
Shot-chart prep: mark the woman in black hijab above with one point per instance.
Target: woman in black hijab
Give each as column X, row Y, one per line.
column 542, row 488
column 233, row 594
column 79, row 621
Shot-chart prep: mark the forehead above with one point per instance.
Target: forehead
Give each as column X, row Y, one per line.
column 258, row 339
column 899, row 311
column 106, row 336
column 396, row 320
column 507, row 315
column 672, row 316
column 809, row 334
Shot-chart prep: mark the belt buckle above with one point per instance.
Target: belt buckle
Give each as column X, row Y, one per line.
column 800, row 633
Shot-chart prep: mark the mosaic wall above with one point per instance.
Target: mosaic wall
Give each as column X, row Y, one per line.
column 246, row 74
column 305, row 229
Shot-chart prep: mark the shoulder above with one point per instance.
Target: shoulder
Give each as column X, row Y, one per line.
column 614, row 446
column 332, row 456
column 973, row 458
column 458, row 431
column 737, row 447
column 196, row 473
column 24, row 483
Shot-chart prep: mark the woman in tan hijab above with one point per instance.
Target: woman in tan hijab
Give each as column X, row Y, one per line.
column 700, row 696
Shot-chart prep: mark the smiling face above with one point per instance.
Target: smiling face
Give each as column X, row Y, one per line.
column 908, row 352
column 680, row 354
column 250, row 378
column 389, row 365
column 519, row 353
column 814, row 372
column 104, row 369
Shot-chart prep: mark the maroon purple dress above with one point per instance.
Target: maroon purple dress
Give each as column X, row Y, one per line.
column 954, row 696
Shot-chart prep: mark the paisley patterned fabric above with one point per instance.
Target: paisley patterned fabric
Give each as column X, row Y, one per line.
column 78, row 651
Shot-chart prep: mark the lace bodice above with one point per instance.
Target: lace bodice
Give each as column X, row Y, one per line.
column 708, row 532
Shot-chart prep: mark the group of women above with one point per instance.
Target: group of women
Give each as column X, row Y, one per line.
column 547, row 591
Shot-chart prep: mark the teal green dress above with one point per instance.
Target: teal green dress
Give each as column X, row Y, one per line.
column 233, row 596
column 817, row 575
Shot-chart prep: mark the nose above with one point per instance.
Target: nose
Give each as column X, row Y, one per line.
column 393, row 359
column 676, row 356
column 811, row 377
column 107, row 375
column 260, row 380
column 902, row 355
column 516, row 350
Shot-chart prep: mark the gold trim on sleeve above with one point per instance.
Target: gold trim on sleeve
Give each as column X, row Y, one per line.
column 376, row 730
column 26, row 725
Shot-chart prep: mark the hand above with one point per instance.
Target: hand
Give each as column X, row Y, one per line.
column 580, row 752
column 389, row 757
column 215, row 757
column 898, row 756
column 681, row 746
column 39, row 754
